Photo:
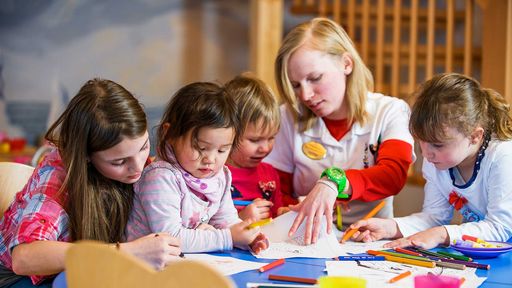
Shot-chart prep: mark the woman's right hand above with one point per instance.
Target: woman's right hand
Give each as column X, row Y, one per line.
column 257, row 210
column 157, row 249
column 375, row 229
column 319, row 202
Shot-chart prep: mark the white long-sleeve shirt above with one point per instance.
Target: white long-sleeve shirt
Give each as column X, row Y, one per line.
column 487, row 214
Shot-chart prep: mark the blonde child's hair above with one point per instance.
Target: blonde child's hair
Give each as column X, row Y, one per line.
column 457, row 101
column 327, row 36
column 256, row 103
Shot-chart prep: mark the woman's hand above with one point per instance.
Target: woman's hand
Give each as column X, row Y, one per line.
column 427, row 239
column 319, row 202
column 257, row 210
column 156, row 249
column 375, row 229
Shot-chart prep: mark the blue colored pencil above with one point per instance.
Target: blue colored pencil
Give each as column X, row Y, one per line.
column 242, row 202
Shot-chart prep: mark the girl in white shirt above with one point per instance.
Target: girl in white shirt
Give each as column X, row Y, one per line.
column 465, row 135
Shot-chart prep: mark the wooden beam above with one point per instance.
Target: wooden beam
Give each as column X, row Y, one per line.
column 266, row 30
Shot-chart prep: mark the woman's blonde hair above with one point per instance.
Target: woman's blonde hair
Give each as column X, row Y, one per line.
column 457, row 101
column 324, row 35
column 256, row 103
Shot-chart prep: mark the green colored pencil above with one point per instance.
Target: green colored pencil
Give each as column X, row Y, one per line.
column 456, row 256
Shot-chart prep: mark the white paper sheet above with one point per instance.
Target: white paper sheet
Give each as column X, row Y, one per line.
column 378, row 273
column 226, row 265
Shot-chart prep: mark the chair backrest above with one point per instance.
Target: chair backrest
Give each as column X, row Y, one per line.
column 13, row 176
column 94, row 264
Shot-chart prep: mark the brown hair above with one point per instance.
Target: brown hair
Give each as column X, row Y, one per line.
column 195, row 106
column 324, row 35
column 457, row 101
column 255, row 102
column 99, row 117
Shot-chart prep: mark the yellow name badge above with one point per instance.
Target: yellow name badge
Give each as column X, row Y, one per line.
column 314, row 150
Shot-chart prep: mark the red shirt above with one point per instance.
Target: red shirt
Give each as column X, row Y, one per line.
column 247, row 182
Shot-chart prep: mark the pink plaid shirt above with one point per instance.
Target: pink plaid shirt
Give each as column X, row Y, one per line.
column 36, row 213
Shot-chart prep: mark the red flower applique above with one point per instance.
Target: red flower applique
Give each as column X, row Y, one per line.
column 267, row 188
column 456, row 200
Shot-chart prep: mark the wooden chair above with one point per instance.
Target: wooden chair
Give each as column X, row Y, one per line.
column 13, row 176
column 93, row 264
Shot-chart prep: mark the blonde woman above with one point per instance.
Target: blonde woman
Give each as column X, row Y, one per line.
column 338, row 139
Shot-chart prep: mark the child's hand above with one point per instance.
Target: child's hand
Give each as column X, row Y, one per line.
column 156, row 249
column 282, row 210
column 374, row 229
column 257, row 210
column 241, row 234
column 259, row 243
column 204, row 226
column 427, row 239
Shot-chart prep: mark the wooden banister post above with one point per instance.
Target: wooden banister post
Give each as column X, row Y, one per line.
column 497, row 46
column 266, row 30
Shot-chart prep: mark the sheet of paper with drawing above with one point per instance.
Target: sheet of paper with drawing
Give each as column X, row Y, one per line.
column 378, row 273
column 282, row 246
column 226, row 265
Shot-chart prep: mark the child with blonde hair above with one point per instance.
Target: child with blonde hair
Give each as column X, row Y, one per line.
column 252, row 179
column 186, row 191
column 465, row 135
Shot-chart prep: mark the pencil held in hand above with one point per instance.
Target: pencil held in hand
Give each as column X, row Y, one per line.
column 370, row 214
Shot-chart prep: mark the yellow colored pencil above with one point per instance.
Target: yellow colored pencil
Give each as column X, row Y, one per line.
column 258, row 223
column 428, row 264
column 339, row 224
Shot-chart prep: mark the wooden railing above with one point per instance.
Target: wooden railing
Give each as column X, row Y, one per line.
column 405, row 42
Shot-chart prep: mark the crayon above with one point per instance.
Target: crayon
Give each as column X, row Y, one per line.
column 292, row 279
column 370, row 214
column 258, row 223
column 242, row 202
column 477, row 240
column 272, row 265
column 361, row 258
column 399, row 277
column 467, row 243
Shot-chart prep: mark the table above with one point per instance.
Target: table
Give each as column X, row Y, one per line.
column 499, row 276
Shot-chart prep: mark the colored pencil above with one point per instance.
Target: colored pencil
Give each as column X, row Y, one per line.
column 456, row 256
column 370, row 214
column 427, row 252
column 375, row 252
column 258, row 223
column 462, row 280
column 428, row 264
column 360, row 258
column 469, row 264
column 242, row 202
column 339, row 223
column 405, row 251
column 272, row 265
column 443, row 263
column 292, row 279
column 275, row 285
column 399, row 277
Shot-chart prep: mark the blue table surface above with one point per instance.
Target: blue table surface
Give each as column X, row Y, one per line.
column 499, row 276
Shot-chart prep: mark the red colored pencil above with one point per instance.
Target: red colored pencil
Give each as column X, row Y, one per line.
column 405, row 251
column 271, row 265
column 292, row 279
